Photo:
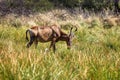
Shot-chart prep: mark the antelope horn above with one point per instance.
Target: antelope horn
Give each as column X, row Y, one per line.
column 71, row 30
column 75, row 28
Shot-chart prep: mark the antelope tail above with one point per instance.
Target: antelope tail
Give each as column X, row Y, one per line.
column 26, row 35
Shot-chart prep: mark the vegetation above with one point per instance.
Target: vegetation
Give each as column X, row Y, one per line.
column 45, row 5
column 95, row 52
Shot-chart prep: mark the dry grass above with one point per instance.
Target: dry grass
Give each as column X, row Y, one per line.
column 95, row 53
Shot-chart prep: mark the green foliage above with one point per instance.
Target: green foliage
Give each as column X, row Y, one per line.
column 71, row 3
column 43, row 5
column 39, row 5
column 97, row 4
column 33, row 5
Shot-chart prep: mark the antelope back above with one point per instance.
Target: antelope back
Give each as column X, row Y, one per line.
column 34, row 30
column 45, row 33
column 56, row 30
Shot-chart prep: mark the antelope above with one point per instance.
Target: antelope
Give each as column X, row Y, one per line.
column 51, row 34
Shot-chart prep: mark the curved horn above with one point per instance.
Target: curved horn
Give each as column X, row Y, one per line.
column 75, row 28
column 71, row 30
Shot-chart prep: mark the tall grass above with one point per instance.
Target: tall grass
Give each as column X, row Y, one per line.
column 95, row 55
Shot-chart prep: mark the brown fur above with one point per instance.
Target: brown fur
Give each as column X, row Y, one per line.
column 46, row 34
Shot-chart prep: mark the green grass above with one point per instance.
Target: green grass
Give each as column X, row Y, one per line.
column 95, row 55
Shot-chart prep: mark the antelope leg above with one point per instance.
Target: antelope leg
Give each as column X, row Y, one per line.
column 53, row 44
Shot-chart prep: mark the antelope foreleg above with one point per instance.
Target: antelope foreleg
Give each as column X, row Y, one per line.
column 53, row 45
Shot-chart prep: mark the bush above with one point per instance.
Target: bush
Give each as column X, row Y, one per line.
column 38, row 5
column 70, row 3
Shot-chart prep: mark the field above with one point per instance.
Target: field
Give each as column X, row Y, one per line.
column 95, row 55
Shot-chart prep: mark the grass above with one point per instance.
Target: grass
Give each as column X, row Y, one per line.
column 95, row 55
